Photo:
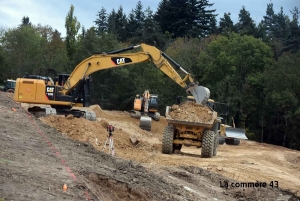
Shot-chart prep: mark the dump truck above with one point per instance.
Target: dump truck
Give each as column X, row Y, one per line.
column 191, row 124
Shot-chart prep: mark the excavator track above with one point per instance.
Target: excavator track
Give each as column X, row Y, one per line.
column 145, row 123
column 45, row 111
column 135, row 114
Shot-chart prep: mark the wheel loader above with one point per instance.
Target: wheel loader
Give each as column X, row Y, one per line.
column 70, row 93
column 145, row 106
column 228, row 134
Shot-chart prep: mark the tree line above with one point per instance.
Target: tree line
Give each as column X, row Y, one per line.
column 252, row 67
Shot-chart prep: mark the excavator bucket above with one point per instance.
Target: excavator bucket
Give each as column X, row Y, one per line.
column 145, row 123
column 238, row 133
column 200, row 93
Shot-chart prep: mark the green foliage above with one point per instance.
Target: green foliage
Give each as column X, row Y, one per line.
column 232, row 68
column 292, row 42
column 54, row 54
column 185, row 51
column 72, row 28
column 186, row 18
column 22, row 51
column 281, row 89
column 226, row 24
column 281, row 33
column 101, row 21
column 245, row 25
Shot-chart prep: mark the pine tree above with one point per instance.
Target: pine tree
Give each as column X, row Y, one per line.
column 136, row 21
column 293, row 38
column 279, row 33
column 120, row 25
column 269, row 19
column 204, row 18
column 226, row 24
column 190, row 18
column 163, row 17
column 25, row 21
column 101, row 21
column 111, row 22
column 245, row 25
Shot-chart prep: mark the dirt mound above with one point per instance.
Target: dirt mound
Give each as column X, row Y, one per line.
column 95, row 132
column 123, row 116
column 99, row 112
column 86, row 131
column 192, row 112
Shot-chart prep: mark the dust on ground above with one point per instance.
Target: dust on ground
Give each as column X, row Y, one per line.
column 36, row 160
column 191, row 112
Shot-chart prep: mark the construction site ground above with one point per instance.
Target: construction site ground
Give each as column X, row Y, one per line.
column 39, row 155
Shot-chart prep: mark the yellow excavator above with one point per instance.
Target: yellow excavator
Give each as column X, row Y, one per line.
column 145, row 106
column 72, row 91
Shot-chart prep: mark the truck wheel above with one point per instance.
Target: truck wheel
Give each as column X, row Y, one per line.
column 10, row 91
column 221, row 140
column 237, row 141
column 208, row 144
column 167, row 142
column 216, row 144
column 232, row 141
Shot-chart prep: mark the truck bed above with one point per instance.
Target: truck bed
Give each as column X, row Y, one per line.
column 188, row 123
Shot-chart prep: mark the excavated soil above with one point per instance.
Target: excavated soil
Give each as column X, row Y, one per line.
column 191, row 112
column 38, row 156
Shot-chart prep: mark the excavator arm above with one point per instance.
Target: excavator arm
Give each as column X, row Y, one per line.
column 149, row 53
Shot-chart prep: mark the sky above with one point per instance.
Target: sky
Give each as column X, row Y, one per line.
column 54, row 12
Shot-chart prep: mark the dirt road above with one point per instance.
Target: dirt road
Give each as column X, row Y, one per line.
column 36, row 159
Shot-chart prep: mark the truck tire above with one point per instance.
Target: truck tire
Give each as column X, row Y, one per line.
column 232, row 141
column 221, row 140
column 167, row 142
column 208, row 144
column 216, row 144
column 10, row 91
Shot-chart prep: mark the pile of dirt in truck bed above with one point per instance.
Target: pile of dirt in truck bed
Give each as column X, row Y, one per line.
column 191, row 112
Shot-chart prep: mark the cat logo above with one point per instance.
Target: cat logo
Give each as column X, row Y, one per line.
column 121, row 61
column 50, row 89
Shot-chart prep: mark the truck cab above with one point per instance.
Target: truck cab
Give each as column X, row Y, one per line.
column 9, row 85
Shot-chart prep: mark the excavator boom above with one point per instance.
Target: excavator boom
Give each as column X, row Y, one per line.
column 150, row 53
